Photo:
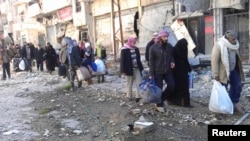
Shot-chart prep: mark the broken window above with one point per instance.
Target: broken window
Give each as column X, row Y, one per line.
column 78, row 6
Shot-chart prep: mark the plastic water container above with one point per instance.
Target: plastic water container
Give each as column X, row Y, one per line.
column 191, row 79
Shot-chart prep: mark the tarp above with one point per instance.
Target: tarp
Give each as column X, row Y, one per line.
column 180, row 31
column 8, row 40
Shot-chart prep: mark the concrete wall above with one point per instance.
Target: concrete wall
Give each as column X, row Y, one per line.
column 154, row 16
column 79, row 18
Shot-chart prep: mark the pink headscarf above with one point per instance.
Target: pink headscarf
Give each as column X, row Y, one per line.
column 163, row 32
column 130, row 42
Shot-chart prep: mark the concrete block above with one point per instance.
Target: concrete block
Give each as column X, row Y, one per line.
column 144, row 128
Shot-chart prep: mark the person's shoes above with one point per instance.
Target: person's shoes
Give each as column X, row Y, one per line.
column 188, row 106
column 239, row 109
column 128, row 98
column 89, row 81
column 72, row 89
column 79, row 84
column 137, row 100
column 160, row 109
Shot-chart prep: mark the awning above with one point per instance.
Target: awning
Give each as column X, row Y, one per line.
column 236, row 4
column 8, row 40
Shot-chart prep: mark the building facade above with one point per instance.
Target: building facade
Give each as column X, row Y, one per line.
column 112, row 21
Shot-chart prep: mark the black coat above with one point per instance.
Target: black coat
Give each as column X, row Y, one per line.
column 39, row 52
column 126, row 65
column 50, row 57
column 24, row 52
column 150, row 43
column 181, row 95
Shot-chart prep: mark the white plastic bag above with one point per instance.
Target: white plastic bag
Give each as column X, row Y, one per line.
column 101, row 69
column 22, row 65
column 220, row 101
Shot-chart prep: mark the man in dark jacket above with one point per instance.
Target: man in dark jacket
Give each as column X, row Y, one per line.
column 74, row 61
column 131, row 67
column 150, row 43
column 39, row 52
column 161, row 63
column 28, row 55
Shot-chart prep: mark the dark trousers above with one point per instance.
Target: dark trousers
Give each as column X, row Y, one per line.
column 6, row 69
column 73, row 76
column 39, row 65
column 29, row 65
column 100, row 78
column 235, row 86
column 169, row 80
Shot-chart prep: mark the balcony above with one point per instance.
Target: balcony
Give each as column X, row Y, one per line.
column 34, row 10
column 51, row 6
column 24, row 22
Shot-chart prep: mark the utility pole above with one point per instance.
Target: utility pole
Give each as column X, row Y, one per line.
column 114, row 37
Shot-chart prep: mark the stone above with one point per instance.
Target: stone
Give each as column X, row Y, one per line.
column 145, row 128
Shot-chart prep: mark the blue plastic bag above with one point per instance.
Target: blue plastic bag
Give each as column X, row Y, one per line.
column 149, row 92
column 94, row 66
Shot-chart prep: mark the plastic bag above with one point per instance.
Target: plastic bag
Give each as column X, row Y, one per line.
column 101, row 69
column 191, row 79
column 149, row 92
column 220, row 101
column 22, row 65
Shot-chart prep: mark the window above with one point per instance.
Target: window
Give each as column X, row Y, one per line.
column 23, row 39
column 78, row 6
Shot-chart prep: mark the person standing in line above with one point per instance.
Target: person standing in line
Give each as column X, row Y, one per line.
column 181, row 95
column 227, row 66
column 131, row 67
column 100, row 53
column 28, row 54
column 50, row 57
column 63, row 58
column 39, row 52
column 6, row 55
column 74, row 61
column 161, row 64
column 149, row 44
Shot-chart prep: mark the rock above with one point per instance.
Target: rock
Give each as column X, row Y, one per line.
column 136, row 111
column 11, row 132
column 78, row 132
column 145, row 128
column 46, row 133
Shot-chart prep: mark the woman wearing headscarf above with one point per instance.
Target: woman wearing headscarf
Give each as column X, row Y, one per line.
column 181, row 95
column 50, row 57
column 131, row 67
